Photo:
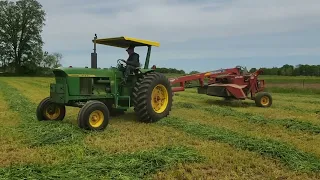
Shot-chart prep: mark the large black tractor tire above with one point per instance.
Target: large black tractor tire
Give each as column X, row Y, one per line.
column 48, row 110
column 152, row 97
column 263, row 99
column 135, row 91
column 94, row 115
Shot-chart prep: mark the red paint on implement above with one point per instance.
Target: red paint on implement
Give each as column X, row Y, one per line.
column 238, row 84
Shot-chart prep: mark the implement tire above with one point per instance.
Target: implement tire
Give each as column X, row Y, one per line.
column 152, row 97
column 263, row 99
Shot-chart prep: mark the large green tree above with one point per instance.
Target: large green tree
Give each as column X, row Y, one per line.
column 21, row 24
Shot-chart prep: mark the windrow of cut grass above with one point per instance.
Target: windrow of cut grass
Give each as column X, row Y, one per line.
column 39, row 134
column 281, row 101
column 125, row 135
column 302, row 141
column 123, row 166
column 287, row 154
column 35, row 94
column 68, row 141
column 282, row 108
column 12, row 150
column 18, row 147
column 290, row 124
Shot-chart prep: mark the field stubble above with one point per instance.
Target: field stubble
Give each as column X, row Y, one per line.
column 222, row 159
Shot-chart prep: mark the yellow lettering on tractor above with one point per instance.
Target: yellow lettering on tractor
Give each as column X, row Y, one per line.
column 82, row 75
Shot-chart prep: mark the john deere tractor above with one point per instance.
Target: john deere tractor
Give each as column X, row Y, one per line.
column 100, row 94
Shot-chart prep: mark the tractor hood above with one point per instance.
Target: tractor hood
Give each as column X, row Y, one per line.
column 83, row 72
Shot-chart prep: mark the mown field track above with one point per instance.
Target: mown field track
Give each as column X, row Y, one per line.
column 203, row 138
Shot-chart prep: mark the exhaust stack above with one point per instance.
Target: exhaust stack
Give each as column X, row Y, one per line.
column 94, row 54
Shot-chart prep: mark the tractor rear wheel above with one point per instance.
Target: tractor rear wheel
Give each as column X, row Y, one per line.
column 263, row 99
column 135, row 91
column 152, row 97
column 48, row 110
column 94, row 115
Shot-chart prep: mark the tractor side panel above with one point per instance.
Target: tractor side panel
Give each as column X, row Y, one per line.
column 57, row 92
column 85, row 86
column 74, row 86
column 59, row 89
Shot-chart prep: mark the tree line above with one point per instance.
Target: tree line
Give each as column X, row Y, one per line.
column 285, row 70
column 170, row 70
column 290, row 70
column 21, row 45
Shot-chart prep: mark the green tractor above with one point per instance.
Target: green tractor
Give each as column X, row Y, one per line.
column 99, row 93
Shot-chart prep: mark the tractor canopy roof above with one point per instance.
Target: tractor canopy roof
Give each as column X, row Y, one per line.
column 125, row 42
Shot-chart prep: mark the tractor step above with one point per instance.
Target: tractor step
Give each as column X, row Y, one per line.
column 122, row 98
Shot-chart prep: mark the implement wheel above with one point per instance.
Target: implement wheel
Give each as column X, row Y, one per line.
column 94, row 115
column 263, row 99
column 152, row 97
column 48, row 110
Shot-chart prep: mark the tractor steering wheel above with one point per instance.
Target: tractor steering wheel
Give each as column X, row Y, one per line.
column 121, row 63
column 121, row 60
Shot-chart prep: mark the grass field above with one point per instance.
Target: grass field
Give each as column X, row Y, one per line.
column 203, row 138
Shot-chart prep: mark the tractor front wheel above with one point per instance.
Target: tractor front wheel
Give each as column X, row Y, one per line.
column 263, row 99
column 152, row 97
column 48, row 110
column 94, row 115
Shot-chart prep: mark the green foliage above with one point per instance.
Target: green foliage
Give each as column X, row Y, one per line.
column 287, row 154
column 20, row 30
column 252, row 70
column 169, row 70
column 194, row 72
column 290, row 79
column 51, row 60
column 21, row 24
column 290, row 70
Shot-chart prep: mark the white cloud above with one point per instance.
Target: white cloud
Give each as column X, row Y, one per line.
column 72, row 24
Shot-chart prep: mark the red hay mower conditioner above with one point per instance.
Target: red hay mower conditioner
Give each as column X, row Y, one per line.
column 233, row 83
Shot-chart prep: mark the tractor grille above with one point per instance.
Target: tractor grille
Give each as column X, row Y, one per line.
column 85, row 86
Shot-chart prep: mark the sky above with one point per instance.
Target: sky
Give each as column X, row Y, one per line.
column 197, row 35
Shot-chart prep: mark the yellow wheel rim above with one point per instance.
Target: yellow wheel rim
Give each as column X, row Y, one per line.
column 264, row 100
column 159, row 98
column 53, row 111
column 96, row 118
